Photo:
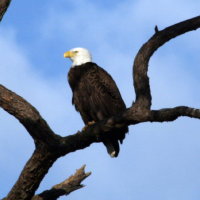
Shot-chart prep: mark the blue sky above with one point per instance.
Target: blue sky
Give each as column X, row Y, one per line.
column 157, row 161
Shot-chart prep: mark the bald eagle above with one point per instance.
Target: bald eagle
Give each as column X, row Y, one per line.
column 95, row 95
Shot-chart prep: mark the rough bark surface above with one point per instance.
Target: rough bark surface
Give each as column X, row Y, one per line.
column 33, row 172
column 64, row 188
column 49, row 146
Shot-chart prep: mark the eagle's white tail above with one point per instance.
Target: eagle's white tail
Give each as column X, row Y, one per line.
column 112, row 148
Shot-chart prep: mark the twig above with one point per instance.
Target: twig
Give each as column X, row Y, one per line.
column 64, row 188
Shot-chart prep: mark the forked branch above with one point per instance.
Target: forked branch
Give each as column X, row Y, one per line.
column 66, row 187
column 140, row 69
column 28, row 116
column 49, row 146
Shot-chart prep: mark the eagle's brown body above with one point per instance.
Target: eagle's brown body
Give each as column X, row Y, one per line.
column 96, row 97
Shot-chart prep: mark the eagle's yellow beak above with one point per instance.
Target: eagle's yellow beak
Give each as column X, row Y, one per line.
column 69, row 54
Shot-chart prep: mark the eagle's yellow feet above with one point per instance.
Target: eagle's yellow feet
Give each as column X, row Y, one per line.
column 88, row 124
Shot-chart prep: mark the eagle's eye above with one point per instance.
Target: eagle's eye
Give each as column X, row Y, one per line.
column 75, row 51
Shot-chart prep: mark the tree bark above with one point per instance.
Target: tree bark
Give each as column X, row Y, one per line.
column 4, row 4
column 32, row 174
column 66, row 187
column 50, row 146
column 140, row 68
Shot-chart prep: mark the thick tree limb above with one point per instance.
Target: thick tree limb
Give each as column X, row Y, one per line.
column 28, row 116
column 50, row 146
column 32, row 174
column 141, row 80
column 131, row 116
column 4, row 4
column 67, row 186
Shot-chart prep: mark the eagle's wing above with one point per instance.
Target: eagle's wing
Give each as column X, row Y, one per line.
column 96, row 97
column 106, row 94
column 106, row 101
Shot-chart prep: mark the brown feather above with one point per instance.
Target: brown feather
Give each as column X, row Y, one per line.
column 96, row 97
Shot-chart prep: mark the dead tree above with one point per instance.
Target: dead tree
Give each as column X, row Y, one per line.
column 49, row 146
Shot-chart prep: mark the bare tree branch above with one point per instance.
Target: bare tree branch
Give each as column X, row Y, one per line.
column 32, row 174
column 171, row 114
column 28, row 116
column 66, row 187
column 49, row 146
column 4, row 4
column 141, row 80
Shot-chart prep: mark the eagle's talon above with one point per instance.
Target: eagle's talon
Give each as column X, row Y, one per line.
column 87, row 125
column 91, row 123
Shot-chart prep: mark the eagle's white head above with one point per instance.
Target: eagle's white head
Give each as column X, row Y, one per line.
column 78, row 56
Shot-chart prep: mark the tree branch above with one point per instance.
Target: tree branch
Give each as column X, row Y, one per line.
column 4, row 4
column 171, row 114
column 28, row 116
column 140, row 68
column 131, row 116
column 32, row 174
column 66, row 187
column 50, row 146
